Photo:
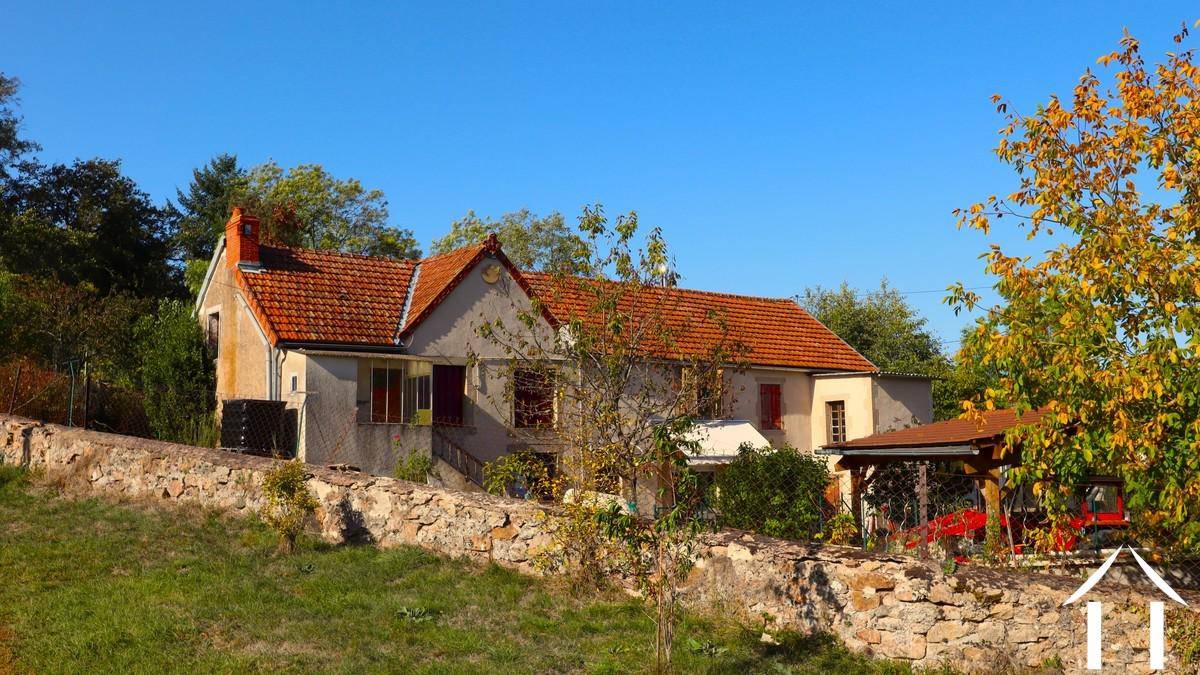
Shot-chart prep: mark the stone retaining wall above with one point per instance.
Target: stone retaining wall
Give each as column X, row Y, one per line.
column 975, row 619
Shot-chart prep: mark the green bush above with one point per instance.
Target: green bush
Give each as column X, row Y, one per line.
column 289, row 502
column 779, row 492
column 520, row 474
column 177, row 375
column 414, row 468
column 840, row 529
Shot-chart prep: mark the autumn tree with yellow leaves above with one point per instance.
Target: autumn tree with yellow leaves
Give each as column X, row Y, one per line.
column 1100, row 331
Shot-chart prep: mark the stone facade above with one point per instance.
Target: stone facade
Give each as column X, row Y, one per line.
column 975, row 619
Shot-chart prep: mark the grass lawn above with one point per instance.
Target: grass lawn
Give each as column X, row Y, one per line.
column 93, row 585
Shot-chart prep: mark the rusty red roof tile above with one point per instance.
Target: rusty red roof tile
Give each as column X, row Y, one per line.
column 308, row 296
column 949, row 432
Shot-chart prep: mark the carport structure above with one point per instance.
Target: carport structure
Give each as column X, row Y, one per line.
column 980, row 445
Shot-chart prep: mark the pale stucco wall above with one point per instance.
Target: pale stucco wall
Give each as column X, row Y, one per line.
column 856, row 391
column 243, row 351
column 336, row 418
column 901, row 402
column 450, row 333
column 795, row 389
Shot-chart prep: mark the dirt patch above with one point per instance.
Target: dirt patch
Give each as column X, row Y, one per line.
column 8, row 662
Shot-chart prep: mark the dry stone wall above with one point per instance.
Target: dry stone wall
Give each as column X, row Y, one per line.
column 974, row 619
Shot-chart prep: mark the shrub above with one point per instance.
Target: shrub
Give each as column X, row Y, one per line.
column 414, row 468
column 840, row 529
column 779, row 492
column 177, row 375
column 289, row 502
column 521, row 474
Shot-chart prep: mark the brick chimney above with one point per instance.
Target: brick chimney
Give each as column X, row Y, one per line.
column 241, row 239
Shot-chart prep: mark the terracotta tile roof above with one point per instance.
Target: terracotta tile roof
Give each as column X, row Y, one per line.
column 438, row 276
column 949, row 432
column 774, row 332
column 320, row 296
column 336, row 298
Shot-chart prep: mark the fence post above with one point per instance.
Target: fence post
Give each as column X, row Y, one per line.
column 87, row 393
column 12, row 400
column 71, row 395
column 923, row 496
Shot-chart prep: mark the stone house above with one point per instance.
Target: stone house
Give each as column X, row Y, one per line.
column 379, row 357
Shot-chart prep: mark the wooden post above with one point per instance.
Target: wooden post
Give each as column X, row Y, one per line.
column 856, row 490
column 923, row 499
column 991, row 493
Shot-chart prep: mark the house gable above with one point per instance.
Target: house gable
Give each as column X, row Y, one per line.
column 448, row 328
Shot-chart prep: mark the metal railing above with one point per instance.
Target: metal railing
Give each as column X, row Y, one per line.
column 462, row 461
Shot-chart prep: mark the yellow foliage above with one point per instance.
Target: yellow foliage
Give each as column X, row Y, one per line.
column 1103, row 326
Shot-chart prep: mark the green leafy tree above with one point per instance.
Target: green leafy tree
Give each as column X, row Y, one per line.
column 56, row 323
column 206, row 204
column 882, row 326
column 620, row 412
column 12, row 146
column 1100, row 331
column 779, row 492
column 176, row 374
column 530, row 241
column 306, row 206
column 87, row 223
column 659, row 552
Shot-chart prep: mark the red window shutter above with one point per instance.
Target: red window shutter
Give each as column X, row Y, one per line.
column 449, row 383
column 769, row 403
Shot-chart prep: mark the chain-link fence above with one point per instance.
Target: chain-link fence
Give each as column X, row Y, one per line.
column 70, row 394
column 933, row 510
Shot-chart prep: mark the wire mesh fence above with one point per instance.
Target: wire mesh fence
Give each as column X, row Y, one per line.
column 70, row 394
column 933, row 510
column 939, row 511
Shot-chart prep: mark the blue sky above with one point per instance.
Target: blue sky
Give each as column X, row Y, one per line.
column 778, row 146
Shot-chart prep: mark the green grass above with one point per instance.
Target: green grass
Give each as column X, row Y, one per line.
column 93, row 585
